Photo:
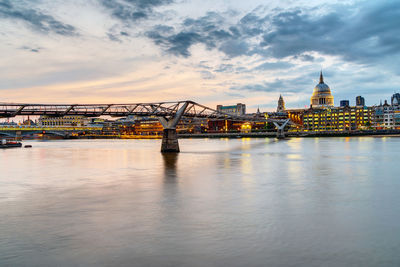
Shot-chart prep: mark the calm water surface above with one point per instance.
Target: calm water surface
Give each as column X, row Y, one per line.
column 237, row 202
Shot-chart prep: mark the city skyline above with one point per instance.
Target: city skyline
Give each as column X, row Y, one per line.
column 230, row 52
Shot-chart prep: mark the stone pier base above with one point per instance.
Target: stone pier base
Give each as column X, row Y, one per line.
column 280, row 134
column 170, row 141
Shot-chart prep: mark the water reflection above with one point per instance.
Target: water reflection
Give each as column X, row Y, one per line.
column 296, row 202
column 170, row 170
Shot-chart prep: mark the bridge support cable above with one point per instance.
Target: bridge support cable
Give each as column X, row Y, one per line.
column 170, row 136
column 280, row 133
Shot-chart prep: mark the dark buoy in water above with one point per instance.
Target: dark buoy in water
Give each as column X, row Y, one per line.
column 28, row 146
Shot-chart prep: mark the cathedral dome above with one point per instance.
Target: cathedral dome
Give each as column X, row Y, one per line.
column 321, row 88
column 322, row 96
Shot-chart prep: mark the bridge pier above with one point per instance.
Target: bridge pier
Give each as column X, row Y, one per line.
column 280, row 133
column 170, row 137
column 170, row 141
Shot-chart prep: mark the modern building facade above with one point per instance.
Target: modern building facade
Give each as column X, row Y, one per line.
column 338, row 118
column 360, row 101
column 238, row 109
column 344, row 103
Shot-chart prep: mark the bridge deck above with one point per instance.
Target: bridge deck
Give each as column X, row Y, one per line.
column 160, row 109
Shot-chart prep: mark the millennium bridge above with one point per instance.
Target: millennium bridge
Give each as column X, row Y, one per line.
column 168, row 113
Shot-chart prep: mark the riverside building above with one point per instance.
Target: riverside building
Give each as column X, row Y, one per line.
column 338, row 118
column 388, row 116
column 323, row 116
column 238, row 109
column 65, row 121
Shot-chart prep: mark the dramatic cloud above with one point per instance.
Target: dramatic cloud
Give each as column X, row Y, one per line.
column 224, row 51
column 293, row 85
column 355, row 34
column 133, row 10
column 367, row 33
column 212, row 30
column 274, row 65
column 34, row 18
column 204, row 30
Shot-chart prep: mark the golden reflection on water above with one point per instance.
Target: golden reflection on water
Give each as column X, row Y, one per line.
column 246, row 143
column 294, row 156
column 227, row 163
column 246, row 169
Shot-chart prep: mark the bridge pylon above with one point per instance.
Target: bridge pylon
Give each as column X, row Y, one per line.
column 170, row 137
column 280, row 133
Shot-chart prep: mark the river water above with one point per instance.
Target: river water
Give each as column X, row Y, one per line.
column 220, row 202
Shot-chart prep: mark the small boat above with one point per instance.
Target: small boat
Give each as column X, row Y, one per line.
column 9, row 144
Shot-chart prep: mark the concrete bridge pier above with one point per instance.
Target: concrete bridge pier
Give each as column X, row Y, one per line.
column 170, row 137
column 170, row 141
column 280, row 133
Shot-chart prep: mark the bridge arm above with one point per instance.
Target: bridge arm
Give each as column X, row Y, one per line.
column 173, row 122
column 68, row 110
column 104, row 110
column 170, row 137
column 281, row 133
column 18, row 111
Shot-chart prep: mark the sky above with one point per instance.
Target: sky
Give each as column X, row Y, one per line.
column 212, row 52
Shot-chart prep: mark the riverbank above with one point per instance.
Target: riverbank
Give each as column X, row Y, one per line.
column 295, row 134
column 376, row 133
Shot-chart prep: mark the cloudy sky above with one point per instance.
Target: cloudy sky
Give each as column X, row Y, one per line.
column 209, row 51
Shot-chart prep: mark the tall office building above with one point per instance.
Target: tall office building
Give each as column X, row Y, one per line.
column 360, row 101
column 344, row 103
